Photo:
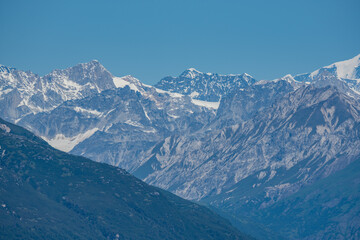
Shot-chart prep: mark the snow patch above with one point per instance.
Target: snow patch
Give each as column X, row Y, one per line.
column 272, row 174
column 121, row 82
column 277, row 189
column 83, row 110
column 209, row 105
column 320, row 129
column 173, row 116
column 261, row 175
column 70, row 84
column 66, row 144
column 152, row 130
column 194, row 94
column 172, row 94
column 5, row 91
column 132, row 123
column 5, row 128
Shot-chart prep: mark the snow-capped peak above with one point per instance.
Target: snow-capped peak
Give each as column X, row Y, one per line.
column 191, row 73
column 193, row 70
column 288, row 77
column 91, row 67
column 92, row 64
column 246, row 75
column 128, row 80
column 345, row 69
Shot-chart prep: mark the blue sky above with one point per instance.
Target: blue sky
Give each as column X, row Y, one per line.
column 152, row 39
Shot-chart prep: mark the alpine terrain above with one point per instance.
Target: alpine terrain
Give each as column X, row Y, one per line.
column 279, row 158
column 49, row 194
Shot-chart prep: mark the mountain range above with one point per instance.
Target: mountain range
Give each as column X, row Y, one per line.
column 48, row 194
column 281, row 153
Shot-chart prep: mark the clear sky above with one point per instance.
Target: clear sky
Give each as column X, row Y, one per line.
column 151, row 39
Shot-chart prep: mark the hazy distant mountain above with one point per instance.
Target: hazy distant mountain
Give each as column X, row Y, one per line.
column 48, row 194
column 205, row 86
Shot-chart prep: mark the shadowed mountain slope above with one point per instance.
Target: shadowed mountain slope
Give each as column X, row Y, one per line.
column 48, row 194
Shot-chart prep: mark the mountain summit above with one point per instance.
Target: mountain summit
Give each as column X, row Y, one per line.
column 85, row 73
column 347, row 72
column 23, row 93
column 205, row 86
column 348, row 69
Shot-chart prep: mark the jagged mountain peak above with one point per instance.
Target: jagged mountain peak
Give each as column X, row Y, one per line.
column 288, row 76
column 92, row 72
column 91, row 66
column 204, row 86
column 5, row 69
column 347, row 69
column 290, row 79
column 129, row 80
column 246, row 75
column 193, row 70
column 287, row 79
column 343, row 74
column 194, row 73
column 190, row 73
column 28, row 93
column 94, row 61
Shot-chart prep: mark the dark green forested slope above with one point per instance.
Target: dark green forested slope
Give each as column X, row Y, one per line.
column 48, row 194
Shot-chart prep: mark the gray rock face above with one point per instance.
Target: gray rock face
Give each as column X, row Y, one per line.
column 90, row 74
column 117, row 126
column 241, row 105
column 253, row 166
column 205, row 86
column 309, row 124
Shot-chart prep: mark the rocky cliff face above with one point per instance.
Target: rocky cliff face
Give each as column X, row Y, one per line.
column 313, row 125
column 116, row 126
